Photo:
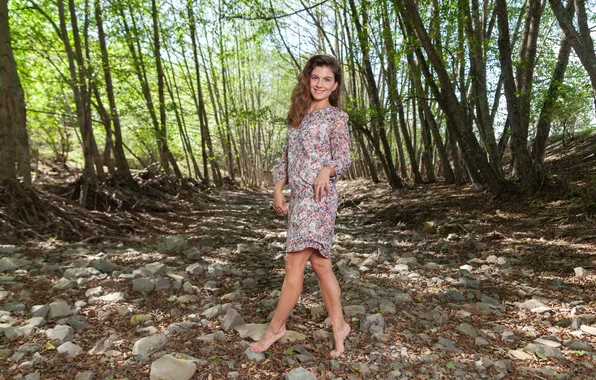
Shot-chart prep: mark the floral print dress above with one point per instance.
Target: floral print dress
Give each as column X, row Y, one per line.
column 321, row 139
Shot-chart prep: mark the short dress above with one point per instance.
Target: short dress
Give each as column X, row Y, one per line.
column 321, row 139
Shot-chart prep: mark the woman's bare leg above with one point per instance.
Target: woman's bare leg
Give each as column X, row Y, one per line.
column 290, row 291
column 331, row 296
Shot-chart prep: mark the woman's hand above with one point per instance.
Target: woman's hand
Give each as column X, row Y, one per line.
column 321, row 185
column 279, row 202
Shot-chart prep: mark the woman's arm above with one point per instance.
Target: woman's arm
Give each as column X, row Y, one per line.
column 340, row 147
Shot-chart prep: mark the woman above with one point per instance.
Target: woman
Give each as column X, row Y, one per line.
column 316, row 153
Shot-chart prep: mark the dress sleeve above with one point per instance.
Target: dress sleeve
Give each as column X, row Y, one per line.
column 282, row 169
column 340, row 146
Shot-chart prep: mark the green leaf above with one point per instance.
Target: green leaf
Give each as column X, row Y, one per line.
column 541, row 356
column 450, row 365
column 50, row 346
column 289, row 351
column 580, row 352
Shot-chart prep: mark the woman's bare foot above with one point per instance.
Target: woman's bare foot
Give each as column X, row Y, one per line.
column 339, row 337
column 269, row 337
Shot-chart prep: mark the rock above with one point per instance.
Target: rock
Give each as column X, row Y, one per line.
column 212, row 312
column 61, row 333
column 580, row 272
column 322, row 335
column 70, row 349
column 84, row 375
column 59, row 309
column 251, row 330
column 231, row 320
column 105, row 266
column 103, row 345
column 9, row 264
column 429, row 227
column 588, row 329
column 299, row 374
column 531, row 304
column 317, row 311
column 249, row 283
column 172, row 243
column 124, row 310
column 387, row 306
column 508, row 336
column 579, row 345
column 73, row 273
column 521, row 355
column 13, row 333
column 170, row 368
column 468, row 330
column 196, row 269
column 140, row 318
column 234, row 296
column 112, row 297
column 179, row 327
column 145, row 347
column 215, row 269
column 481, row 342
column 65, row 284
column 162, row 283
column 142, row 285
column 448, row 345
column 412, row 261
column 193, row 253
column 479, row 246
column 547, row 351
column 32, row 376
column 76, row 322
column 372, row 323
column 258, row 356
column 156, row 269
column 455, row 295
column 94, row 292
column 547, row 342
column 292, row 336
column 354, row 310
column 12, row 306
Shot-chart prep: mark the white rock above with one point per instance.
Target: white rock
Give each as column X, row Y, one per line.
column 169, row 368
column 59, row 309
column 70, row 349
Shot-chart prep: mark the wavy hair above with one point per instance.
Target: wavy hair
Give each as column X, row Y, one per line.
column 301, row 97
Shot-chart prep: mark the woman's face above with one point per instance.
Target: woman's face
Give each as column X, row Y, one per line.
column 322, row 83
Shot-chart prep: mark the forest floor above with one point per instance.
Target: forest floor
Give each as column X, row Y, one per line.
column 437, row 282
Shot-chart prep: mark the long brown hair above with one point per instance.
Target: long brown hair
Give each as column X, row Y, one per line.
column 301, row 97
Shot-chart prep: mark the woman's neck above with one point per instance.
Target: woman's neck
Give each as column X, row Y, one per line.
column 319, row 104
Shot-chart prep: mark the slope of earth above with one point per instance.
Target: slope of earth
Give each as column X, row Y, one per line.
column 437, row 282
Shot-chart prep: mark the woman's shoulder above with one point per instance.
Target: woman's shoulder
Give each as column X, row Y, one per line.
column 339, row 113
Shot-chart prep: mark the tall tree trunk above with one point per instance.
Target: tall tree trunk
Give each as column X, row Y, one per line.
column 581, row 41
column 14, row 154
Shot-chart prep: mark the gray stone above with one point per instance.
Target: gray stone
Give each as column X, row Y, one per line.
column 12, row 333
column 547, row 351
column 251, row 330
column 156, row 269
column 103, row 345
column 480, row 342
column 69, row 349
column 33, row 376
column 8, row 264
column 249, row 283
column 112, row 297
column 588, row 329
column 448, row 345
column 212, row 312
column 179, row 327
column 231, row 320
column 372, row 323
column 455, row 295
column 142, row 285
column 299, row 374
column 192, row 253
column 163, row 284
column 145, row 347
column 61, row 333
column 531, row 304
column 547, row 342
column 468, row 330
column 36, row 321
column 73, row 273
column 84, row 375
column 77, row 322
column 170, row 368
column 8, row 249
column 65, row 284
column 216, row 269
column 508, row 336
column 258, row 356
column 580, row 272
column 521, row 355
column 354, row 310
column 387, row 306
column 94, row 292
column 174, row 243
column 12, row 306
column 317, row 311
column 105, row 266
column 196, row 269
column 59, row 309
column 292, row 336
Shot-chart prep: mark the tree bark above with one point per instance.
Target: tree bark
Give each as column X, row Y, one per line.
column 14, row 142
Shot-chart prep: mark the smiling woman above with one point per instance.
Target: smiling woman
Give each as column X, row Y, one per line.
column 316, row 153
